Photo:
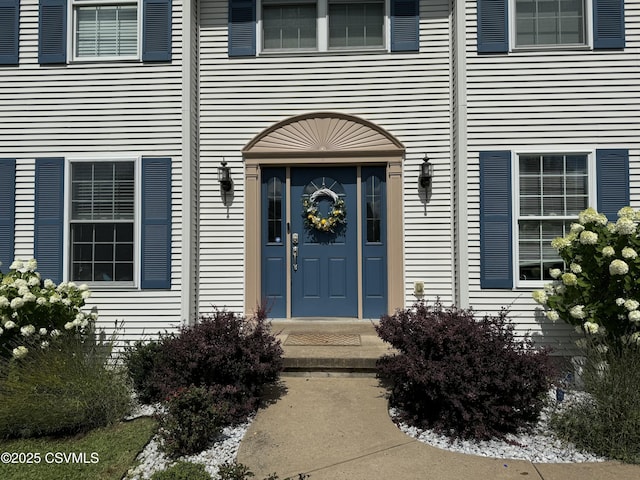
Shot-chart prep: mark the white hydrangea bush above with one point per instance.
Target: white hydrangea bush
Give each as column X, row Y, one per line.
column 599, row 290
column 34, row 312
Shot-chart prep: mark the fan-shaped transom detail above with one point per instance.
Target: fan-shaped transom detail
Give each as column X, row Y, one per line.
column 323, row 133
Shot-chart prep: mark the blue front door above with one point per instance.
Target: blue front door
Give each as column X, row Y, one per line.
column 324, row 242
column 310, row 268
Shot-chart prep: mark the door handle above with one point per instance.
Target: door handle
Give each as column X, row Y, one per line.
column 294, row 252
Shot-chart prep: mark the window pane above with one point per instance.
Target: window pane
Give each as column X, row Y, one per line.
column 102, row 252
column 561, row 189
column 102, row 191
column 536, row 256
column 356, row 24
column 374, row 209
column 289, row 26
column 549, row 22
column 274, row 215
column 106, row 30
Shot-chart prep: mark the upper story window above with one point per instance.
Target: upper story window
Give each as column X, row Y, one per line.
column 91, row 30
column 549, row 22
column 321, row 25
column 507, row 25
column 105, row 29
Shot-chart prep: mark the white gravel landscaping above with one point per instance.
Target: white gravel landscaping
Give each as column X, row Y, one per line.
column 540, row 445
column 224, row 449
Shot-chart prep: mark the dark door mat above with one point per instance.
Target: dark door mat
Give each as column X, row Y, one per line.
column 322, row 339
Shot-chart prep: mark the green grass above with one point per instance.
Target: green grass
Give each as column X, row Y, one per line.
column 109, row 453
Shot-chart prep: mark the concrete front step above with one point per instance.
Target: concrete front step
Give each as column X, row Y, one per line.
column 346, row 347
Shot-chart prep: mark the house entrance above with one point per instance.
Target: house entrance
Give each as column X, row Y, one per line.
column 324, row 219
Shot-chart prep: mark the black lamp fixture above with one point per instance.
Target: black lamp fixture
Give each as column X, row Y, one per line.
column 426, row 172
column 224, row 177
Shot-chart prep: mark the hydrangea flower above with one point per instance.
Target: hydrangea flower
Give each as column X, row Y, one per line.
column 569, row 279
column 608, row 251
column 553, row 315
column 555, row 273
column 591, row 327
column 625, row 226
column 20, row 351
column 27, row 330
column 576, row 228
column 634, row 316
column 31, row 265
column 629, row 253
column 620, row 301
column 540, row 296
column 4, row 302
column 578, row 312
column 9, row 324
column 590, row 215
column 17, row 265
column 631, row 305
column 17, row 303
column 618, row 267
column 560, row 243
column 588, row 237
column 575, row 268
column 627, row 212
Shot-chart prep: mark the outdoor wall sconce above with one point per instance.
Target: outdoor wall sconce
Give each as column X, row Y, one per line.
column 426, row 172
column 224, row 177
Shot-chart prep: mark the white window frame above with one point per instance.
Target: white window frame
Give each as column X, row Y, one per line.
column 71, row 31
column 66, row 255
column 515, row 183
column 588, row 19
column 322, row 32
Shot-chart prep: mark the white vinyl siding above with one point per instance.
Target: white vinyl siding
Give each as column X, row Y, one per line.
column 406, row 93
column 89, row 110
column 551, row 101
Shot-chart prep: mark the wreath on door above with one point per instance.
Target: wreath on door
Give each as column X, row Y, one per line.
column 312, row 217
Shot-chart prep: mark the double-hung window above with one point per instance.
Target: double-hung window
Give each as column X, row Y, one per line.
column 105, row 30
column 552, row 190
column 321, row 25
column 102, row 221
column 528, row 199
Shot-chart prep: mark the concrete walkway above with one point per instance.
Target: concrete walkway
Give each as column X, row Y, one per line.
column 338, row 428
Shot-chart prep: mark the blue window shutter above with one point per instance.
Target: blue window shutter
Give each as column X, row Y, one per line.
column 156, row 223
column 52, row 38
column 405, row 25
column 496, row 252
column 156, row 30
column 608, row 24
column 49, row 217
column 493, row 26
column 242, row 28
column 9, row 31
column 7, row 212
column 612, row 171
